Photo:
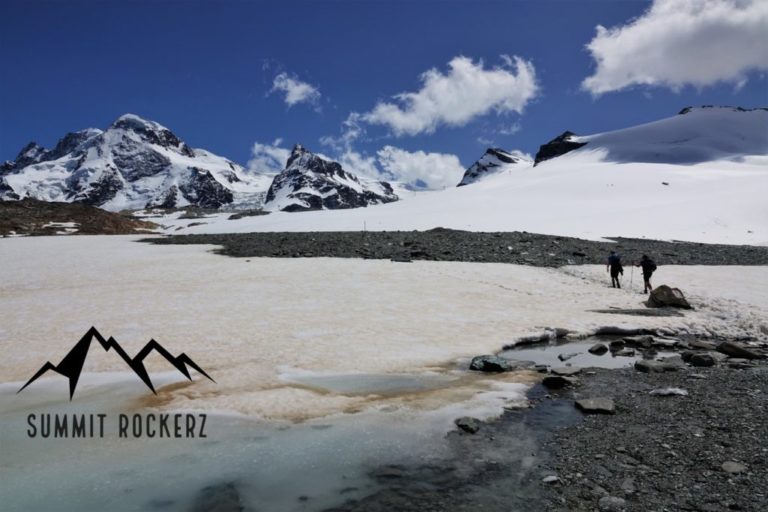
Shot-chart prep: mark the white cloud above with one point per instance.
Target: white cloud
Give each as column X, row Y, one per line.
column 466, row 91
column 682, row 42
column 431, row 170
column 511, row 129
column 268, row 157
column 295, row 90
column 361, row 165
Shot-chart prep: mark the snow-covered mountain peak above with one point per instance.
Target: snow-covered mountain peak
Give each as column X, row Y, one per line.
column 493, row 161
column 310, row 182
column 135, row 163
column 137, row 123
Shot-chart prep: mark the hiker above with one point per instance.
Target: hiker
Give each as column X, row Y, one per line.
column 648, row 268
column 615, row 268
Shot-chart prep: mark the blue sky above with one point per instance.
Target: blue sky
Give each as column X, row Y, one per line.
column 206, row 69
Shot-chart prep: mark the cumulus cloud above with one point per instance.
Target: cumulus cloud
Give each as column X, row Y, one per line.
column 682, row 42
column 420, row 169
column 269, row 158
column 468, row 90
column 294, row 90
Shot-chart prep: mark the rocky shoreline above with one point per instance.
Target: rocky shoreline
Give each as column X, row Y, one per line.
column 451, row 245
column 682, row 433
column 700, row 451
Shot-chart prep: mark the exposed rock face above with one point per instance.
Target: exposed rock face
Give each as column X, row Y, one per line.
column 494, row 160
column 666, row 297
column 135, row 163
column 560, row 145
column 310, row 182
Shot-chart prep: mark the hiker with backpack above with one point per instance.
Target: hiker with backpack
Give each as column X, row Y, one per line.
column 648, row 269
column 614, row 267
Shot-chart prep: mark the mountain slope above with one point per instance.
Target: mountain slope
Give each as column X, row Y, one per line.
column 584, row 194
column 494, row 160
column 310, row 182
column 693, row 136
column 135, row 163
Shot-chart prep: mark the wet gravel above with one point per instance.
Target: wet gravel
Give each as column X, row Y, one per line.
column 450, row 245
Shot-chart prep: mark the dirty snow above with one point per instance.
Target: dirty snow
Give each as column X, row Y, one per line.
column 245, row 322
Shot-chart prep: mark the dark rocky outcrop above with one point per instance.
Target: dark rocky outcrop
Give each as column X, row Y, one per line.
column 560, row 145
column 202, row 189
column 492, row 160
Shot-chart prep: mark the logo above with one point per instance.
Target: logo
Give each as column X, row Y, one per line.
column 72, row 364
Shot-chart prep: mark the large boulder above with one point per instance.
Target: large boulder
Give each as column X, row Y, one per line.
column 667, row 297
column 490, row 363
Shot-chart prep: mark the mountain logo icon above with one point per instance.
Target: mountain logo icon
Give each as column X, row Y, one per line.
column 72, row 364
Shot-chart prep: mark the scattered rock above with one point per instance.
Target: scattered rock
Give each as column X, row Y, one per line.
column 566, row 371
column 617, row 345
column 625, row 352
column 703, row 345
column 598, row 349
column 702, row 360
column 468, row 424
column 628, row 486
column 666, row 297
column 490, row 363
column 565, row 357
column 601, row 405
column 738, row 350
column 551, row 479
column 558, row 382
column 669, row 392
column 650, row 366
column 662, row 343
column 639, row 341
column 733, row 467
column 611, row 504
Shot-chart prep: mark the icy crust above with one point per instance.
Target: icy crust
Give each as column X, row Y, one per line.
column 134, row 164
column 254, row 326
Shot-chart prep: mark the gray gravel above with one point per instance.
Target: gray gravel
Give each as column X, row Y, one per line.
column 451, row 245
column 706, row 451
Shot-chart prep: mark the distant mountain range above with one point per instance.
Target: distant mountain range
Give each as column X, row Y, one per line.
column 136, row 164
